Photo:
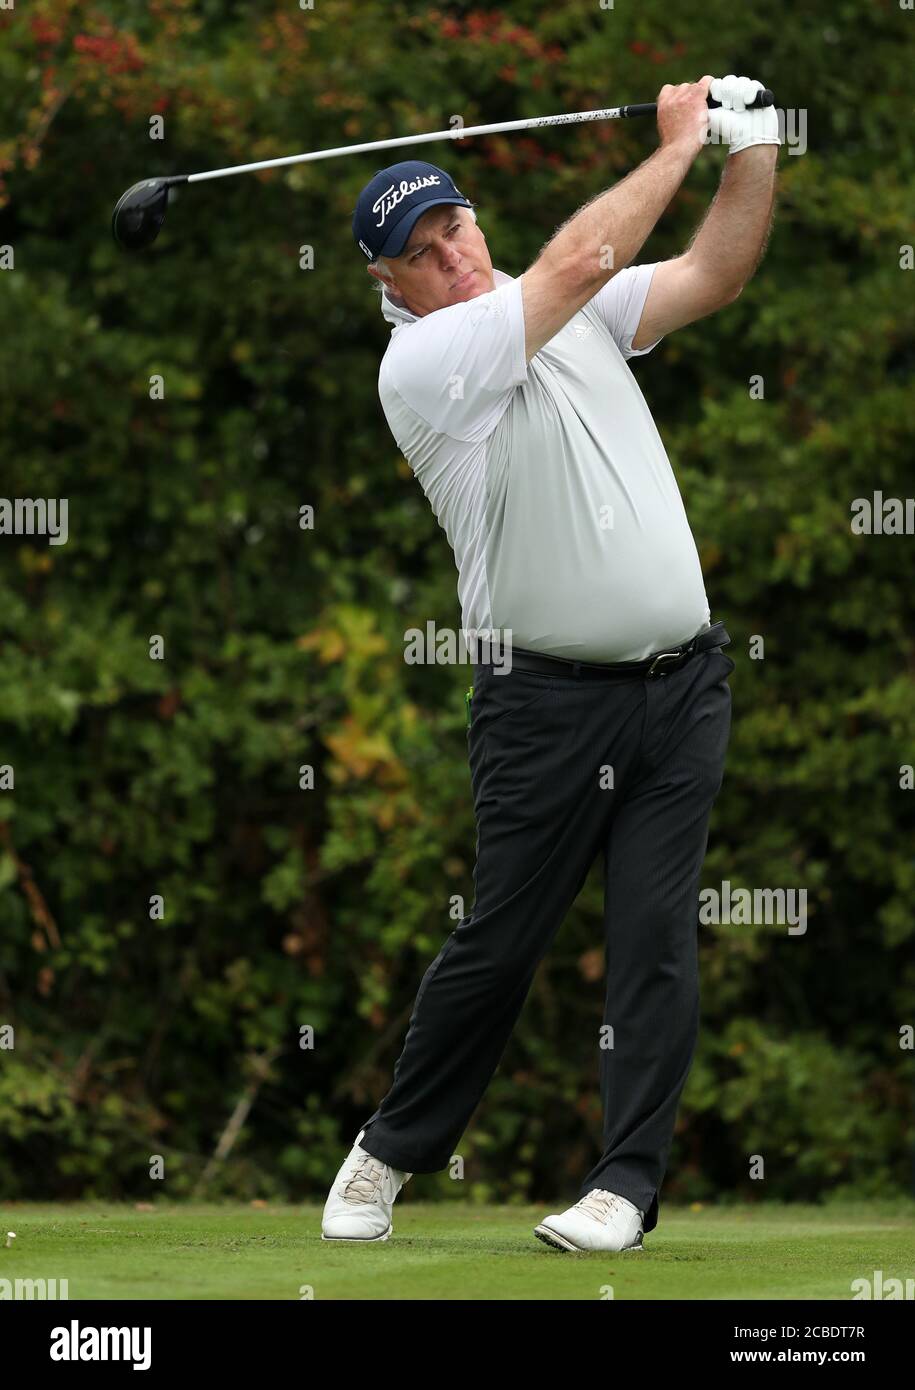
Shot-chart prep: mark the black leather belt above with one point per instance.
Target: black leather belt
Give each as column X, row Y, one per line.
column 658, row 664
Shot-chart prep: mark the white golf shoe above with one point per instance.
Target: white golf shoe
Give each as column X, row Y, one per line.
column 600, row 1221
column 359, row 1203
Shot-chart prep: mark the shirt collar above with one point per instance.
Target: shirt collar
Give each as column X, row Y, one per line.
column 397, row 313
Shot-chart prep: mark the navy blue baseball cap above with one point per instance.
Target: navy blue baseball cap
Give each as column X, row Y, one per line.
column 391, row 202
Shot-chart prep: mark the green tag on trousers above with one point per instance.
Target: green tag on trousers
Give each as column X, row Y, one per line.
column 467, row 698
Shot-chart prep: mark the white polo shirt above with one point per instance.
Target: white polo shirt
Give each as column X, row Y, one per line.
column 549, row 478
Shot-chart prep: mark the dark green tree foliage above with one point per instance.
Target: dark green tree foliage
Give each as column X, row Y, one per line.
column 286, row 907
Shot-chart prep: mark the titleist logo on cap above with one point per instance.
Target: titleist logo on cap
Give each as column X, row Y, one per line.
column 392, row 196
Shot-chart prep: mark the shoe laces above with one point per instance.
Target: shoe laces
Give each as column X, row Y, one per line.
column 366, row 1183
column 602, row 1205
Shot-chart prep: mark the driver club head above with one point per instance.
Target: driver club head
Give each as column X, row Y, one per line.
column 140, row 213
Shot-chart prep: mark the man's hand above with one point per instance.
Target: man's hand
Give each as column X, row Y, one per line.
column 683, row 114
column 732, row 124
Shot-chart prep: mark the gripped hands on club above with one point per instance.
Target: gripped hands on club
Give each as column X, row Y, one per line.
column 716, row 110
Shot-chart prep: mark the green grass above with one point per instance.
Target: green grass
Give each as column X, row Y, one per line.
column 451, row 1251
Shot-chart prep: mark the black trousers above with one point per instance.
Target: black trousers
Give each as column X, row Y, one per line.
column 544, row 751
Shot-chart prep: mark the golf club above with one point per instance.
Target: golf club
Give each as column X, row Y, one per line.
column 140, row 212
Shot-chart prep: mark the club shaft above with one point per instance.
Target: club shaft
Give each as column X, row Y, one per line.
column 610, row 113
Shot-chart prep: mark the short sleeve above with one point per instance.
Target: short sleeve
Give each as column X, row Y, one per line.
column 458, row 367
column 620, row 303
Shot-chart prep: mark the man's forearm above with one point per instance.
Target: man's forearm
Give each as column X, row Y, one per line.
column 620, row 218
column 731, row 239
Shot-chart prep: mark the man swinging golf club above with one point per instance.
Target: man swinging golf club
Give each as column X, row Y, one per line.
column 514, row 405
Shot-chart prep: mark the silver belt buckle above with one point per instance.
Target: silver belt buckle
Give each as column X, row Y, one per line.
column 663, row 656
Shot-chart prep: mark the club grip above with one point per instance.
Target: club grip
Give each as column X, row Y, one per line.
column 650, row 108
column 763, row 98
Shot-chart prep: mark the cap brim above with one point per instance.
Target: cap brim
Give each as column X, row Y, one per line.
column 400, row 234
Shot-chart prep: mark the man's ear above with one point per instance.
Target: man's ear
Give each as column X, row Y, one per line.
column 385, row 279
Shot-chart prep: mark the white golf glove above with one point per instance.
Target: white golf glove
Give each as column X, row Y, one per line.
column 731, row 123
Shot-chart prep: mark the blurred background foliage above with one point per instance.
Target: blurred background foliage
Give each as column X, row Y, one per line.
column 286, row 907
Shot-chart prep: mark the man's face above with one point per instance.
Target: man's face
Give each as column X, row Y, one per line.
column 445, row 261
